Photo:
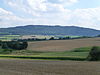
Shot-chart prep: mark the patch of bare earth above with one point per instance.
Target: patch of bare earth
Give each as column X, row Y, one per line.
column 48, row 67
column 63, row 45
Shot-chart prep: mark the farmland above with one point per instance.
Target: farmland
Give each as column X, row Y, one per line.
column 63, row 45
column 9, row 37
column 76, row 49
column 51, row 57
column 48, row 67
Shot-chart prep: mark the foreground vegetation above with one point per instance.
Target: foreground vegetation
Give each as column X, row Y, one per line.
column 17, row 49
column 79, row 54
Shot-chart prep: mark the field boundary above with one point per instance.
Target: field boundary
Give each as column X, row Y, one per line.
column 45, row 57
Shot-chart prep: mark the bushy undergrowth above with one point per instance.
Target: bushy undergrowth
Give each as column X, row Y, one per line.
column 6, row 51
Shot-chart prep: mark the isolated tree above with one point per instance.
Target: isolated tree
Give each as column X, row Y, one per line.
column 52, row 38
column 0, row 42
column 5, row 46
column 94, row 54
column 98, row 35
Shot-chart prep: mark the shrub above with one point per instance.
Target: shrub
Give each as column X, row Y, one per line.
column 52, row 38
column 94, row 54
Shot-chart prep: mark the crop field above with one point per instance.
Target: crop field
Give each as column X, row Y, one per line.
column 48, row 67
column 63, row 45
column 36, row 36
column 9, row 37
column 52, row 57
column 46, row 36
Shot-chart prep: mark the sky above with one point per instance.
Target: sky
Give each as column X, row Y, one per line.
column 82, row 13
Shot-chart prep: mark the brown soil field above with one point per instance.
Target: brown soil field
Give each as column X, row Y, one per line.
column 48, row 67
column 63, row 45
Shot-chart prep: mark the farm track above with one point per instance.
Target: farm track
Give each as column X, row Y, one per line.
column 63, row 45
column 48, row 67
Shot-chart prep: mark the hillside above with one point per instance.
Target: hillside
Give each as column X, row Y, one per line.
column 50, row 30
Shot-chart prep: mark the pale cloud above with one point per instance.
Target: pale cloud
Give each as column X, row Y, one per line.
column 69, row 2
column 86, row 17
column 23, row 6
column 17, row 5
column 45, row 12
column 64, row 3
column 4, row 12
column 37, row 5
column 73, row 1
column 7, row 19
column 12, row 4
column 47, row 5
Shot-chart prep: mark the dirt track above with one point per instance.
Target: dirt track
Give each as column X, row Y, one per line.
column 47, row 67
column 63, row 45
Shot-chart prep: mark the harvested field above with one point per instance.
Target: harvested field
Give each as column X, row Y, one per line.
column 63, row 45
column 48, row 67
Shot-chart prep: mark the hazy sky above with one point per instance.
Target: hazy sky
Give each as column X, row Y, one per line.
column 83, row 13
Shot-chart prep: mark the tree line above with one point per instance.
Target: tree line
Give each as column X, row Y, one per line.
column 52, row 38
column 17, row 45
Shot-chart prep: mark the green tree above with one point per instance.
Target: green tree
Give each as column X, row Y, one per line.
column 94, row 54
column 24, row 45
column 5, row 46
column 17, row 45
column 52, row 38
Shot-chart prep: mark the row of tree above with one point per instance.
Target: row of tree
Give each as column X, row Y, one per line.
column 51, row 38
column 17, row 45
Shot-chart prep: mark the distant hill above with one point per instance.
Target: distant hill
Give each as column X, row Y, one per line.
column 50, row 30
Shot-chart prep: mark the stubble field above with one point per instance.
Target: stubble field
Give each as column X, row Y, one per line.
column 48, row 67
column 63, row 45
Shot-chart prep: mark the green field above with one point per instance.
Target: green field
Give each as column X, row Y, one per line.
column 76, row 54
column 9, row 37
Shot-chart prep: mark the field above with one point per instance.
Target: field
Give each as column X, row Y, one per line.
column 76, row 49
column 53, row 57
column 63, row 45
column 48, row 67
column 9, row 37
column 79, row 54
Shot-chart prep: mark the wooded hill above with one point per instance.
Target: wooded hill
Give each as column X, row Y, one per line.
column 50, row 30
